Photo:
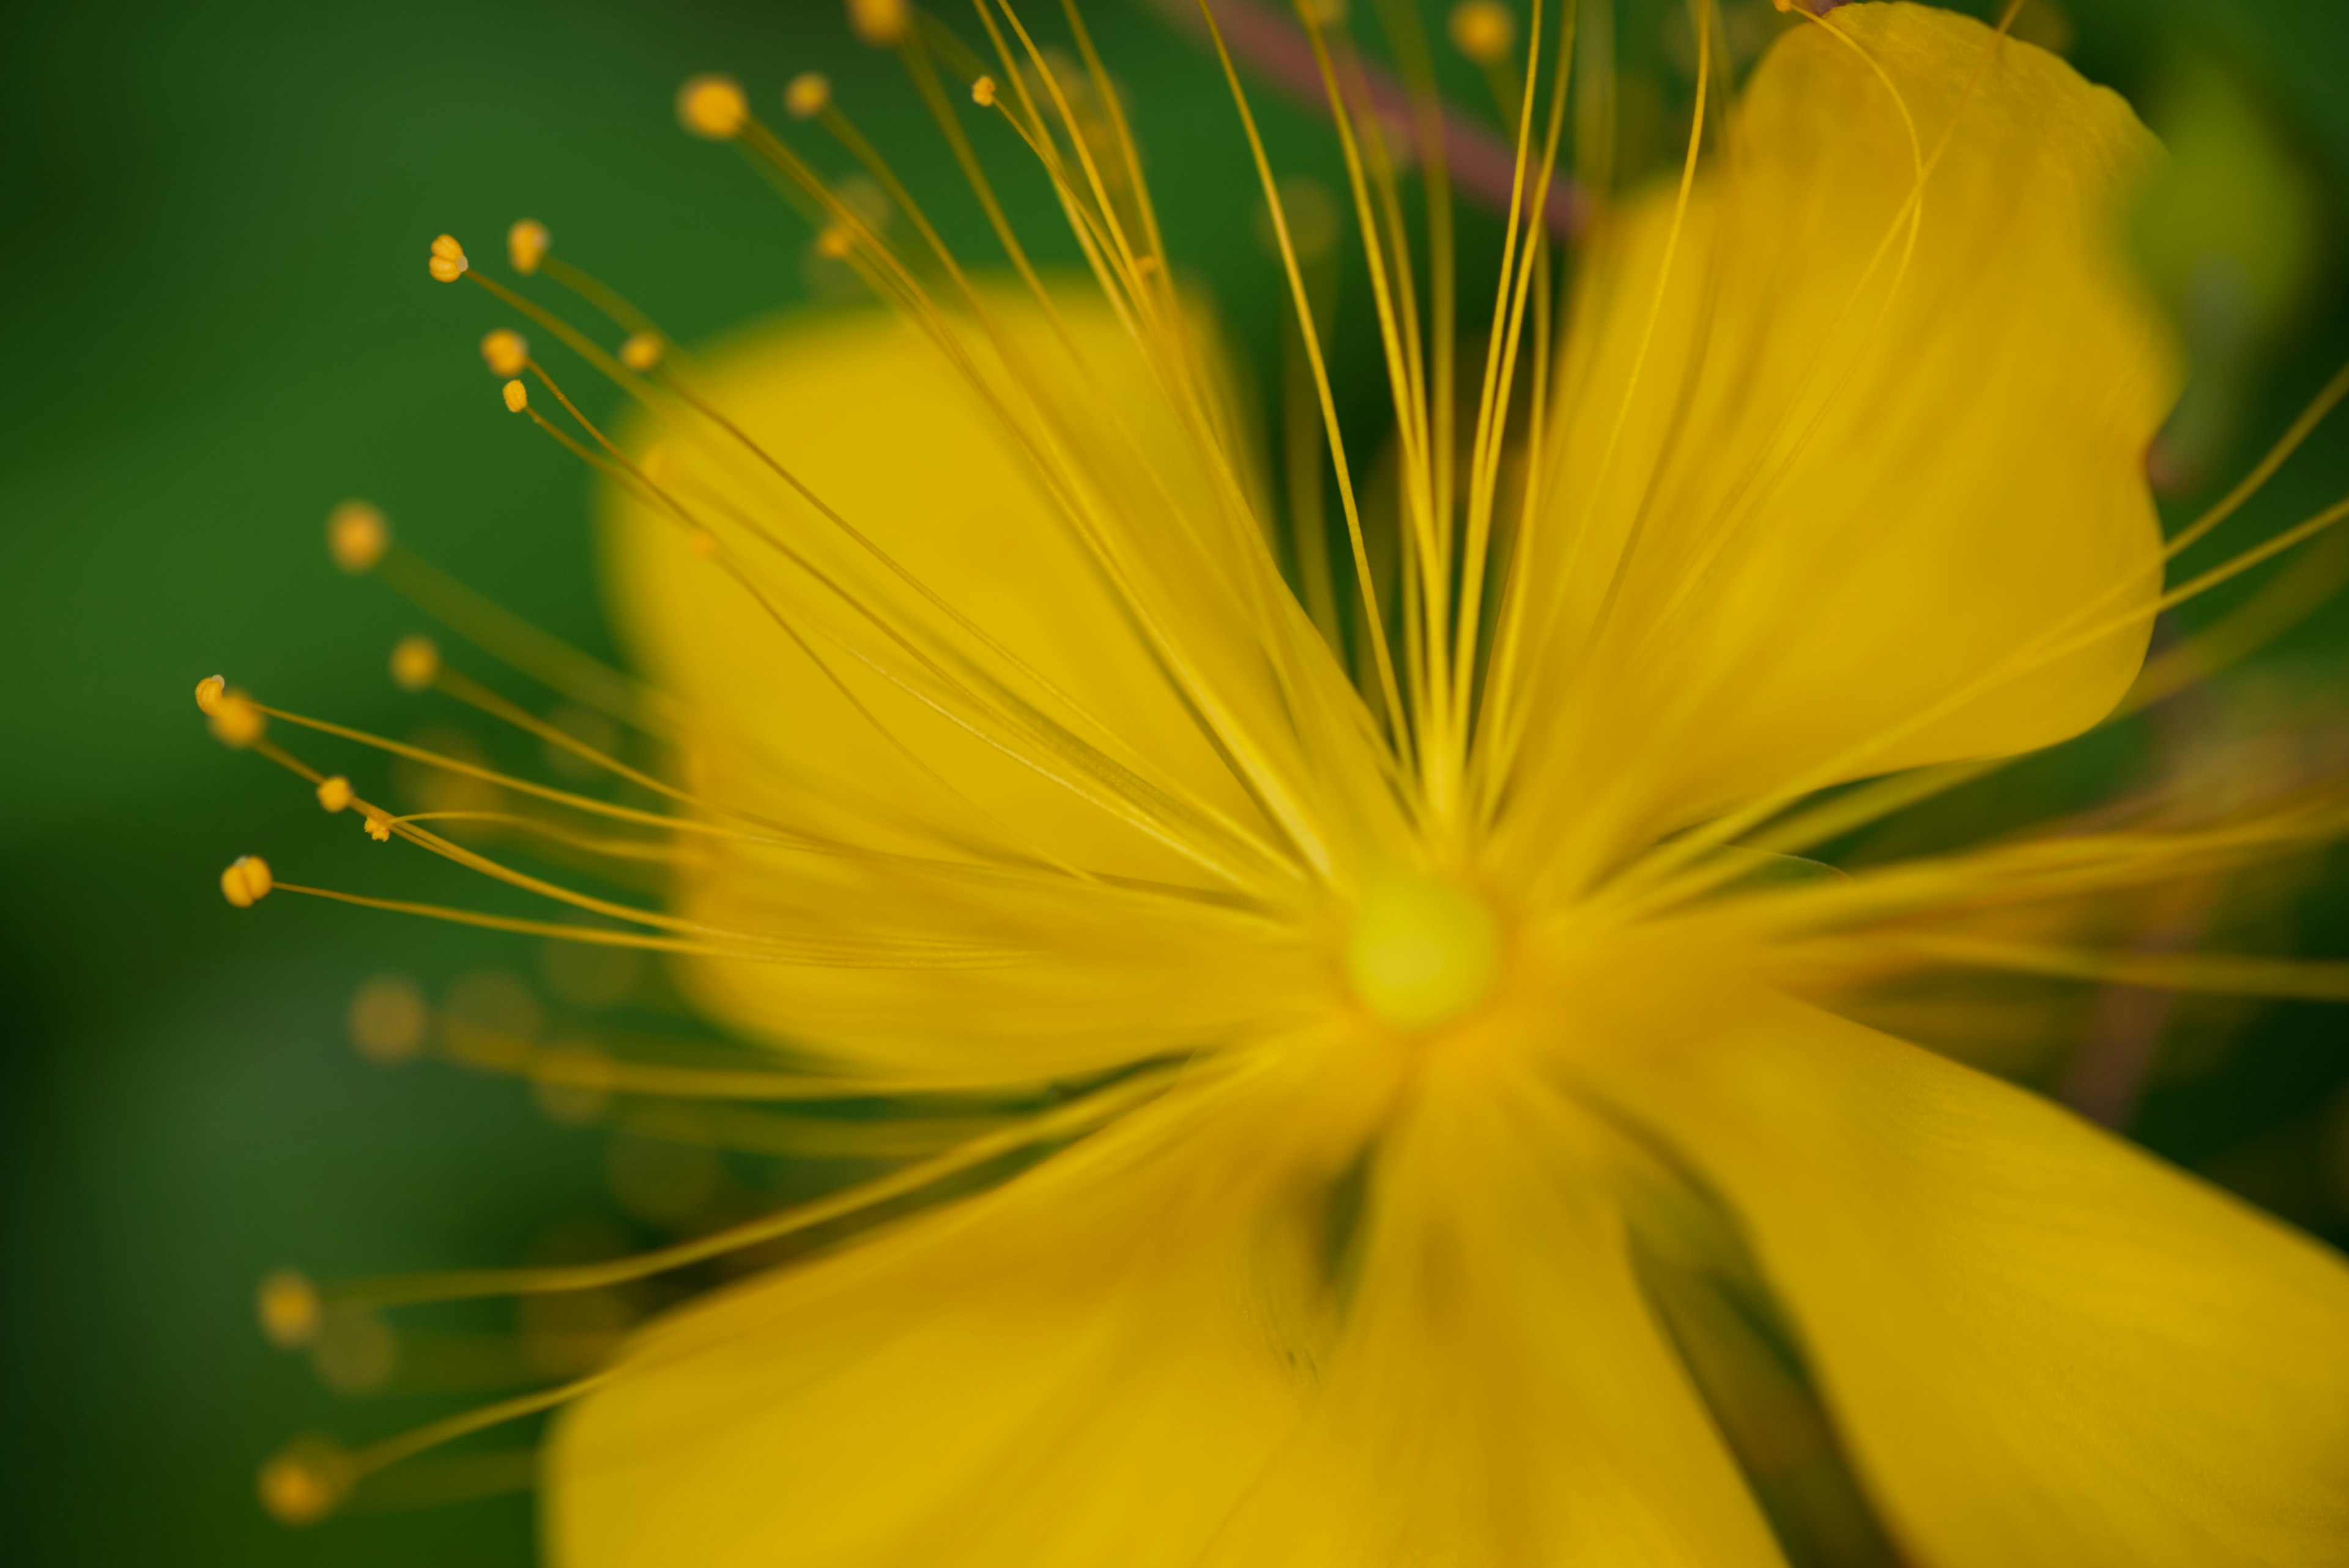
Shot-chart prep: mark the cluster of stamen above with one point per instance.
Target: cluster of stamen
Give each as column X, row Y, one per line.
column 1417, row 952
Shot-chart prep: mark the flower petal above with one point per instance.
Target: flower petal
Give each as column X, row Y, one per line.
column 1134, row 1355
column 1501, row 1393
column 1077, row 1369
column 2045, row 1346
column 1021, row 773
column 1843, row 482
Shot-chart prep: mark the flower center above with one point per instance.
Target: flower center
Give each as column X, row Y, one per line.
column 1423, row 950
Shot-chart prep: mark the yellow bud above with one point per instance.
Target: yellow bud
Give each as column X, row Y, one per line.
column 235, row 722
column 334, row 793
column 414, row 662
column 808, row 95
column 527, row 244
column 357, row 535
column 288, row 1305
column 641, row 351
column 982, row 92
column 247, row 882
column 305, row 1481
column 517, row 397
column 1483, row 30
column 880, row 22
column 506, row 351
column 712, row 105
column 210, row 691
column 447, row 263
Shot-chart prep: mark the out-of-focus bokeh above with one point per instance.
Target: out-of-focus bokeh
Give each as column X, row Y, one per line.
column 217, row 325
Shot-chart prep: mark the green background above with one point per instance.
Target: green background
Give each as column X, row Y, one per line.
column 216, row 324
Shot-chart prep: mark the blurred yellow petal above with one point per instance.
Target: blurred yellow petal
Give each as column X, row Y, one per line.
column 1161, row 1349
column 1085, row 1366
column 976, row 697
column 1842, row 482
column 1500, row 1394
column 2046, row 1347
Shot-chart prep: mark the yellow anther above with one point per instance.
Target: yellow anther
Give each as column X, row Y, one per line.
column 1423, row 951
column 415, row 660
column 808, row 95
column 835, row 242
column 517, row 397
column 210, row 691
column 982, row 92
column 447, row 263
column 305, row 1481
column 288, row 1305
column 506, row 351
column 357, row 535
column 712, row 105
column 387, row 1018
column 1483, row 30
column 378, row 827
column 880, row 22
column 527, row 244
column 641, row 351
column 235, row 722
column 334, row 793
column 247, row 882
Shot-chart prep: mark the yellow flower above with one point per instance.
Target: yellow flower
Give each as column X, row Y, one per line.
column 1424, row 987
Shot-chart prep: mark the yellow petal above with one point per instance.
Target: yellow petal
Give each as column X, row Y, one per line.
column 1073, row 1371
column 1500, row 1394
column 1007, row 712
column 1134, row 1355
column 1844, row 480
column 2046, row 1347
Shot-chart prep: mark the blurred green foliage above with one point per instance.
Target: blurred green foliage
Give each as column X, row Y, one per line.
column 217, row 325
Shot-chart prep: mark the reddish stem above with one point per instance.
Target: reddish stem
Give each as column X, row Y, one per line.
column 1483, row 166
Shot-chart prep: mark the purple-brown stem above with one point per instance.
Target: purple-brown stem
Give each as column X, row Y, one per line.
column 1483, row 166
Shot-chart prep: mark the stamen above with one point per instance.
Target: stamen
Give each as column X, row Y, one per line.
column 712, row 106
column 1072, row 1119
column 806, row 95
column 414, row 663
column 246, row 881
column 334, row 793
column 1483, row 31
column 288, row 1309
column 517, row 397
column 641, row 352
column 527, row 244
column 982, row 92
column 506, row 352
column 357, row 536
column 884, row 24
column 305, row 1481
column 448, row 262
column 236, row 721
column 210, row 693
column 313, row 1476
